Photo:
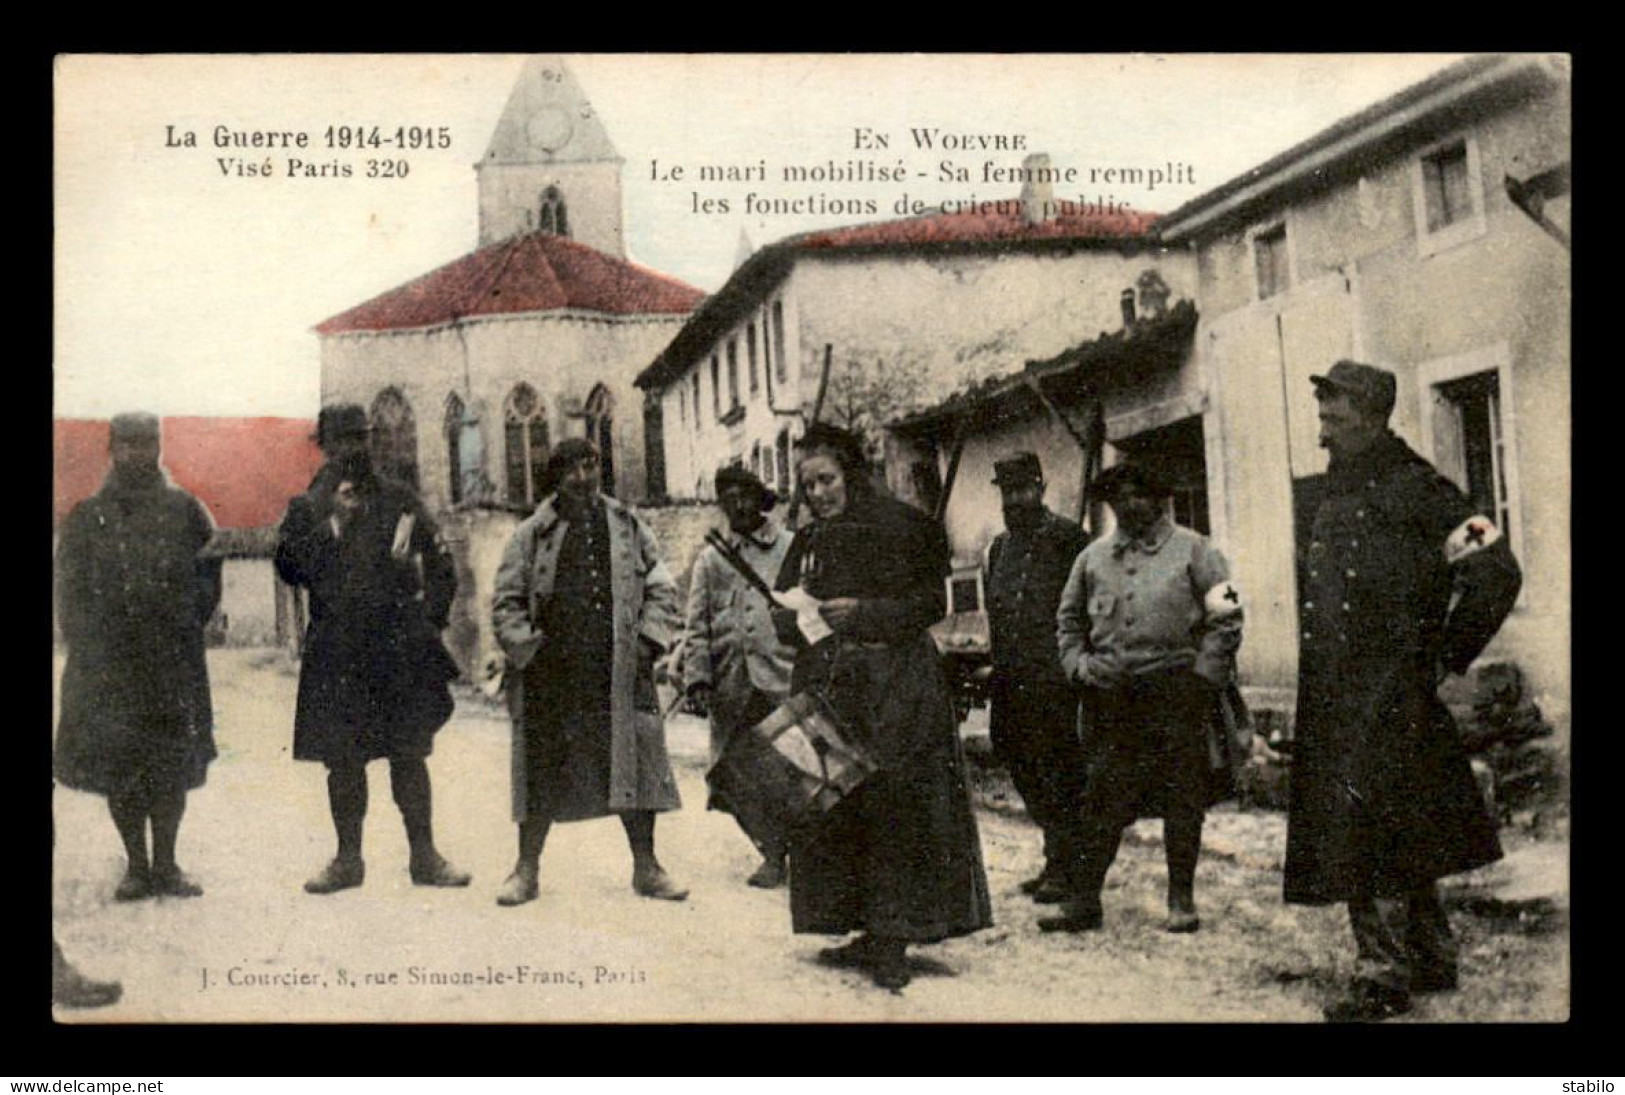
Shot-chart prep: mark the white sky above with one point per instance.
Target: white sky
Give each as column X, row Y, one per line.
column 184, row 291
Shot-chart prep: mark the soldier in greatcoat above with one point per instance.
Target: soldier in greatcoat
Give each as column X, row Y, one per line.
column 734, row 665
column 1033, row 723
column 1403, row 583
column 583, row 608
column 135, row 590
column 375, row 676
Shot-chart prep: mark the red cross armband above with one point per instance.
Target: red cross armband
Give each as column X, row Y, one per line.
column 1469, row 538
column 1222, row 603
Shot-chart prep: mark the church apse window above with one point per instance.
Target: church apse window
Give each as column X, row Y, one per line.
column 600, row 414
column 395, row 437
column 525, row 444
column 552, row 216
column 454, row 447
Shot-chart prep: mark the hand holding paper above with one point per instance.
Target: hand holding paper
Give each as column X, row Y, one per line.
column 812, row 626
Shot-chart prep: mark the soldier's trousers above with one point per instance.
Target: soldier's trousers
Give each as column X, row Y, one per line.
column 1401, row 939
column 1035, row 736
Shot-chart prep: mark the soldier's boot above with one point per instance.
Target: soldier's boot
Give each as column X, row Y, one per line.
column 649, row 878
column 1182, row 916
column 167, row 877
column 343, row 873
column 1080, row 913
column 524, row 883
column 409, row 781
column 129, row 810
column 72, row 989
column 1182, row 841
column 136, row 885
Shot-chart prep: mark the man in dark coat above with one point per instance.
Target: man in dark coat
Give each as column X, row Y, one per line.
column 1034, row 709
column 375, row 676
column 1403, row 583
column 134, row 593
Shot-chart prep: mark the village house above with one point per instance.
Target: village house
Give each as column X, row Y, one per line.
column 924, row 305
column 1392, row 237
column 474, row 371
column 244, row 470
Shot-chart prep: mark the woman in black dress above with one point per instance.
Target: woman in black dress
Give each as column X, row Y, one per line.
column 898, row 860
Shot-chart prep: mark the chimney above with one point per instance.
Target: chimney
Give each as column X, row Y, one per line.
column 1037, row 189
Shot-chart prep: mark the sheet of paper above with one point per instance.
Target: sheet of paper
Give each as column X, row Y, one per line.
column 813, row 627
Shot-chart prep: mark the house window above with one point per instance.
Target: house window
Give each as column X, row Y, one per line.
column 1471, row 444
column 778, row 340
column 1444, row 186
column 1448, row 194
column 525, row 445
column 750, row 356
column 453, row 429
column 1270, row 261
column 395, row 437
column 733, row 373
column 767, row 465
column 784, row 461
column 696, row 397
column 553, row 218
column 716, row 385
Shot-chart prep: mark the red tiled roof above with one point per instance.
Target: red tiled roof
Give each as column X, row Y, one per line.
column 989, row 222
column 244, row 469
column 533, row 273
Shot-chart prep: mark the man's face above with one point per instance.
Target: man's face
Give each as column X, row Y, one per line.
column 580, row 482
column 348, row 452
column 135, row 453
column 1344, row 428
column 1023, row 504
column 742, row 506
column 1136, row 510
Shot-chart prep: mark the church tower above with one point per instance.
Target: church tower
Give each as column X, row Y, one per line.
column 550, row 165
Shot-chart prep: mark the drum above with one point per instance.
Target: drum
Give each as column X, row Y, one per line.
column 808, row 764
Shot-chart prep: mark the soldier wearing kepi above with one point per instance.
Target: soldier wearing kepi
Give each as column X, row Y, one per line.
column 734, row 664
column 1403, row 583
column 375, row 676
column 135, row 590
column 583, row 608
column 1149, row 625
column 1034, row 708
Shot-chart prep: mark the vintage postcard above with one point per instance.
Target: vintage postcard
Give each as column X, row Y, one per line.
column 430, row 429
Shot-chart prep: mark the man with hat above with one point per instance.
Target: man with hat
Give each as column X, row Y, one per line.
column 1149, row 625
column 374, row 679
column 734, row 665
column 583, row 608
column 135, row 589
column 1033, row 721
column 1403, row 582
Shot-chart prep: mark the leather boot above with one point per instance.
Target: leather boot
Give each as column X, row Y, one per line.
column 340, row 874
column 521, row 886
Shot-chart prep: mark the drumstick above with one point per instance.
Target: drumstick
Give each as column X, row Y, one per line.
column 737, row 561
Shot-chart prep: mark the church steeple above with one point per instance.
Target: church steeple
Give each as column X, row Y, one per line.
column 550, row 165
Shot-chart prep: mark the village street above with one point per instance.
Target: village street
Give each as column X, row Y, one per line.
column 255, row 947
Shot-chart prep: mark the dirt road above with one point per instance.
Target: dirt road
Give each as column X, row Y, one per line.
column 256, row 947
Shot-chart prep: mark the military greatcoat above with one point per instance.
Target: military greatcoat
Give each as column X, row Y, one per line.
column 644, row 606
column 374, row 676
column 134, row 592
column 1382, row 798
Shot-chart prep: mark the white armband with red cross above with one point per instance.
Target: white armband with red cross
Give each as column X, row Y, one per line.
column 1222, row 603
column 1470, row 537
